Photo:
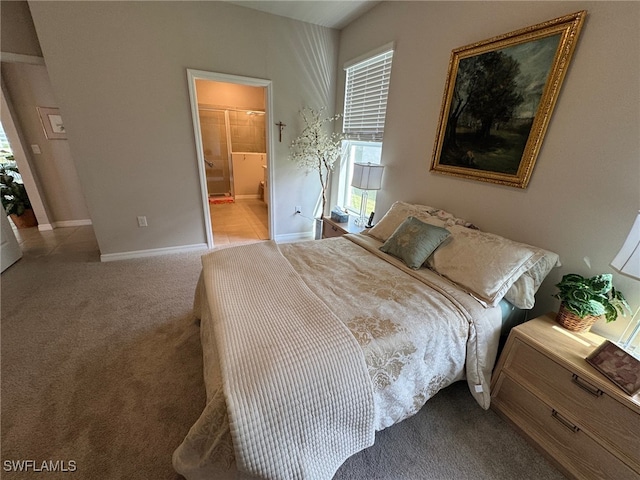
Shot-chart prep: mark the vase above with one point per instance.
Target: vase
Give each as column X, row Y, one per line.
column 573, row 322
column 317, row 228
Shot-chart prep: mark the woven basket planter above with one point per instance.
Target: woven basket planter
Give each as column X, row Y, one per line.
column 571, row 321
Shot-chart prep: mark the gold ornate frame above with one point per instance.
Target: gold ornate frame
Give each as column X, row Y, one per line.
column 451, row 157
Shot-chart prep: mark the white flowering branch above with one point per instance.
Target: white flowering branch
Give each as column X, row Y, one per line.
column 315, row 149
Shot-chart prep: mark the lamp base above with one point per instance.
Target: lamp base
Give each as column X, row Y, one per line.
column 361, row 221
column 630, row 343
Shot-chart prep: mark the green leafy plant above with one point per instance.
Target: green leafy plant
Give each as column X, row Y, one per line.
column 593, row 296
column 315, row 149
column 14, row 194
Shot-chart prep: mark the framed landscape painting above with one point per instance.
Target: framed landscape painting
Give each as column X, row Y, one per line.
column 498, row 100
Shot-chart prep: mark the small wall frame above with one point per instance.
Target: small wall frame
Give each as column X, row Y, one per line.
column 498, row 100
column 52, row 124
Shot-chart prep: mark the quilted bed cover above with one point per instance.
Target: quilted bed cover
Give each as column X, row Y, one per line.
column 368, row 343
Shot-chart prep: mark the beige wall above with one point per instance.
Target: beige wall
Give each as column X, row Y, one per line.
column 28, row 87
column 17, row 33
column 119, row 72
column 247, row 131
column 585, row 190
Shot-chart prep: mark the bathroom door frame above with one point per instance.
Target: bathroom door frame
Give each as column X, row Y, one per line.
column 192, row 76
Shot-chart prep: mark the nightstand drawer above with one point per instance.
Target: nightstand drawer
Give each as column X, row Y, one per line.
column 578, row 398
column 330, row 230
column 555, row 433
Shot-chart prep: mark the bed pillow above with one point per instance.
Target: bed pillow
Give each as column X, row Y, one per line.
column 484, row 264
column 522, row 292
column 413, row 241
column 399, row 211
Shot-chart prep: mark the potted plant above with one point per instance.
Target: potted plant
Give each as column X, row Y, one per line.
column 585, row 300
column 15, row 199
column 315, row 149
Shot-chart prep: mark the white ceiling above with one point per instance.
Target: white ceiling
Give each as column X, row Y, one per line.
column 327, row 13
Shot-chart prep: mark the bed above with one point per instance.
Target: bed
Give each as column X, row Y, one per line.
column 309, row 348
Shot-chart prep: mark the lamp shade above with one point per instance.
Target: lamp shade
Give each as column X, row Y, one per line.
column 627, row 260
column 367, row 176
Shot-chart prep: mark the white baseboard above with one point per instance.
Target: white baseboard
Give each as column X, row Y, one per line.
column 109, row 257
column 45, row 227
column 71, row 223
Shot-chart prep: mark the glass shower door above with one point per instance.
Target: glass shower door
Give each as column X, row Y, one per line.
column 215, row 146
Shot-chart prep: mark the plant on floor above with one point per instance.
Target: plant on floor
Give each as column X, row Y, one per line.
column 14, row 195
column 315, row 149
column 593, row 296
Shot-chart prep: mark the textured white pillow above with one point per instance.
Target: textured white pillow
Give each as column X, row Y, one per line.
column 399, row 212
column 487, row 265
column 522, row 292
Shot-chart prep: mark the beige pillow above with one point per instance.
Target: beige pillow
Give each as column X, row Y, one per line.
column 522, row 293
column 399, row 212
column 487, row 265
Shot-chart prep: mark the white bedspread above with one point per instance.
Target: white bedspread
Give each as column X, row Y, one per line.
column 297, row 390
column 416, row 331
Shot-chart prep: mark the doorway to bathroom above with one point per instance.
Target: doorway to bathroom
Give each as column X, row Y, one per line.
column 231, row 117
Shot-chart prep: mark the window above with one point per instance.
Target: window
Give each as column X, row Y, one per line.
column 360, row 152
column 365, row 107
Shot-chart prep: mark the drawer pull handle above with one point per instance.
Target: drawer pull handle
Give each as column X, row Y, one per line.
column 564, row 421
column 587, row 387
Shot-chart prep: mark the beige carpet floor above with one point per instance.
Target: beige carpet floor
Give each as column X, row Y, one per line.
column 101, row 365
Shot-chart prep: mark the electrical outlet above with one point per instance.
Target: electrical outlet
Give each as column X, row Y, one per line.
column 298, row 210
column 142, row 221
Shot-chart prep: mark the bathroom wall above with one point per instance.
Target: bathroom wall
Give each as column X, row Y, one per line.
column 247, row 128
column 247, row 132
column 230, row 95
column 247, row 174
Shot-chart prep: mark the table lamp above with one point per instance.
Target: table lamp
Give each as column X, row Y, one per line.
column 627, row 262
column 366, row 176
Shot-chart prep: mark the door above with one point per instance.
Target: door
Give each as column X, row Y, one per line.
column 10, row 251
column 204, row 162
column 215, row 146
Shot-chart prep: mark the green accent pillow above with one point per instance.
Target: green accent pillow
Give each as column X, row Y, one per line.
column 413, row 241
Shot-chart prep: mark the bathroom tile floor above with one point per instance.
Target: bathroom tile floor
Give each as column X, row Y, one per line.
column 244, row 221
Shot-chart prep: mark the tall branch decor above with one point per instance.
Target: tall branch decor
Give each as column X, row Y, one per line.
column 317, row 148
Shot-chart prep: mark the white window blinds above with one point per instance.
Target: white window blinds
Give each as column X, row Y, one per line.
column 365, row 101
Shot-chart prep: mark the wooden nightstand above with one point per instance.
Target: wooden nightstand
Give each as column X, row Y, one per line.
column 582, row 421
column 335, row 229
